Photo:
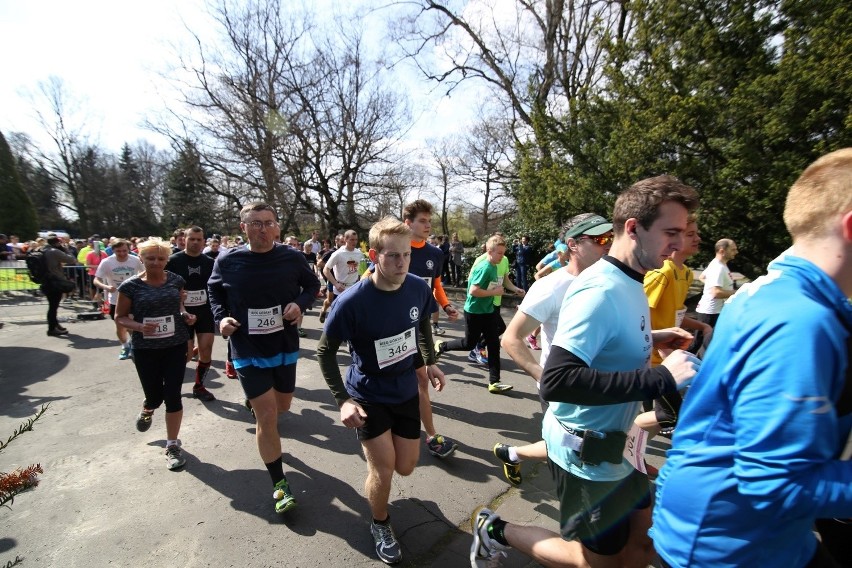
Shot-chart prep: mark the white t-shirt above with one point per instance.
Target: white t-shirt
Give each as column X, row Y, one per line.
column 715, row 275
column 344, row 265
column 543, row 301
column 114, row 272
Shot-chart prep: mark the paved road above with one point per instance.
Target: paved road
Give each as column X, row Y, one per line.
column 107, row 499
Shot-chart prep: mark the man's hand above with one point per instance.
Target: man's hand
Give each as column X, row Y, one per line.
column 671, row 338
column 436, row 377
column 352, row 415
column 683, row 366
column 228, row 326
column 452, row 312
column 292, row 313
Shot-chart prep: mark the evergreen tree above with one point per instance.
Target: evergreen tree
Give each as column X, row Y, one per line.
column 17, row 214
column 188, row 199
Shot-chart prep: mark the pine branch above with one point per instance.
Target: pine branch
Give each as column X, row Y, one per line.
column 25, row 427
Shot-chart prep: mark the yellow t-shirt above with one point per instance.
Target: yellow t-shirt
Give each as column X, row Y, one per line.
column 666, row 290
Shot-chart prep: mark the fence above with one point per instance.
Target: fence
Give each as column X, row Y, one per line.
column 15, row 280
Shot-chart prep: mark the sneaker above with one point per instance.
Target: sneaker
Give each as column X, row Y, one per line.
column 61, row 329
column 198, row 391
column 284, row 500
column 195, row 353
column 511, row 469
column 174, row 457
column 230, row 371
column 483, row 546
column 322, row 316
column 533, row 343
column 499, row 388
column 439, row 348
column 125, row 353
column 438, row 330
column 387, row 547
column 143, row 421
column 302, row 332
column 475, row 356
column 440, row 446
column 57, row 332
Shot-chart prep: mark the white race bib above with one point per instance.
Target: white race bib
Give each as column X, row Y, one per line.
column 165, row 327
column 634, row 447
column 195, row 298
column 265, row 320
column 679, row 317
column 390, row 350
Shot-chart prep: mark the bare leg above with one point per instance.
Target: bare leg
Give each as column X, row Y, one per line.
column 385, row 454
column 266, row 409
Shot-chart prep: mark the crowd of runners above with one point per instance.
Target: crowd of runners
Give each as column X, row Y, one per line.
column 756, row 387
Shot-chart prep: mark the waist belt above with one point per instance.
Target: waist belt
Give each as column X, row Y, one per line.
column 595, row 447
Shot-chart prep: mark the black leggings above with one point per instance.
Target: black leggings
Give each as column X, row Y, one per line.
column 481, row 325
column 54, row 296
column 161, row 374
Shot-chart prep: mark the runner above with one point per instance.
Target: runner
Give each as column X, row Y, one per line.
column 150, row 304
column 195, row 268
column 257, row 294
column 111, row 272
column 380, row 395
column 342, row 269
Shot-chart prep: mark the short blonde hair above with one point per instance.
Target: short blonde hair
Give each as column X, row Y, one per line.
column 154, row 243
column 822, row 192
column 387, row 227
column 495, row 241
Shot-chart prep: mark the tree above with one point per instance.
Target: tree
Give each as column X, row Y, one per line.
column 188, row 200
column 485, row 166
column 17, row 214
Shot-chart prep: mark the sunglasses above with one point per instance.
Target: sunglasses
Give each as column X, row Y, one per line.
column 601, row 240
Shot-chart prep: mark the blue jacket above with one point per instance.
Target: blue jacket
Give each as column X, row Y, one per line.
column 754, row 460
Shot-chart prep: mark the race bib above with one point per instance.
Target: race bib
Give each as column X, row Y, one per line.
column 493, row 284
column 390, row 350
column 165, row 327
column 679, row 314
column 428, row 280
column 195, row 298
column 634, row 448
column 265, row 320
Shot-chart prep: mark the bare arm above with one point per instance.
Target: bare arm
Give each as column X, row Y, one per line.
column 513, row 342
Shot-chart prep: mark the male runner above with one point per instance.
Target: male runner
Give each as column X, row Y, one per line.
column 195, row 268
column 111, row 272
column 380, row 396
column 718, row 284
column 257, row 294
column 342, row 269
column 595, row 377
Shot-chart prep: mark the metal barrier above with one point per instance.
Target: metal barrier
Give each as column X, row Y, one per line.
column 15, row 281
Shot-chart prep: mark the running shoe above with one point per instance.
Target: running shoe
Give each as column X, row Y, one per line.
column 198, row 391
column 439, row 348
column 284, row 500
column 438, row 330
column 143, row 421
column 125, row 353
column 387, row 547
column 56, row 332
column 230, row 371
column 533, row 343
column 475, row 356
column 322, row 316
column 174, row 457
column 61, row 329
column 483, row 546
column 499, row 388
column 302, row 332
column 511, row 469
column 440, row 446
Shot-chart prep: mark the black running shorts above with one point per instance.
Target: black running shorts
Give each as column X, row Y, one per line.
column 402, row 419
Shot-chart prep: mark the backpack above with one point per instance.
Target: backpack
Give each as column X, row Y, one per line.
column 37, row 266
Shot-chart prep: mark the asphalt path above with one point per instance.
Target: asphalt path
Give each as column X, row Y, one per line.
column 107, row 499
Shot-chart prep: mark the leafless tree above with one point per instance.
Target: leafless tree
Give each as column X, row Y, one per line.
column 536, row 55
column 485, row 166
column 445, row 161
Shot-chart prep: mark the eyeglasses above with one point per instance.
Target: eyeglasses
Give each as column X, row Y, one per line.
column 262, row 224
column 599, row 240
